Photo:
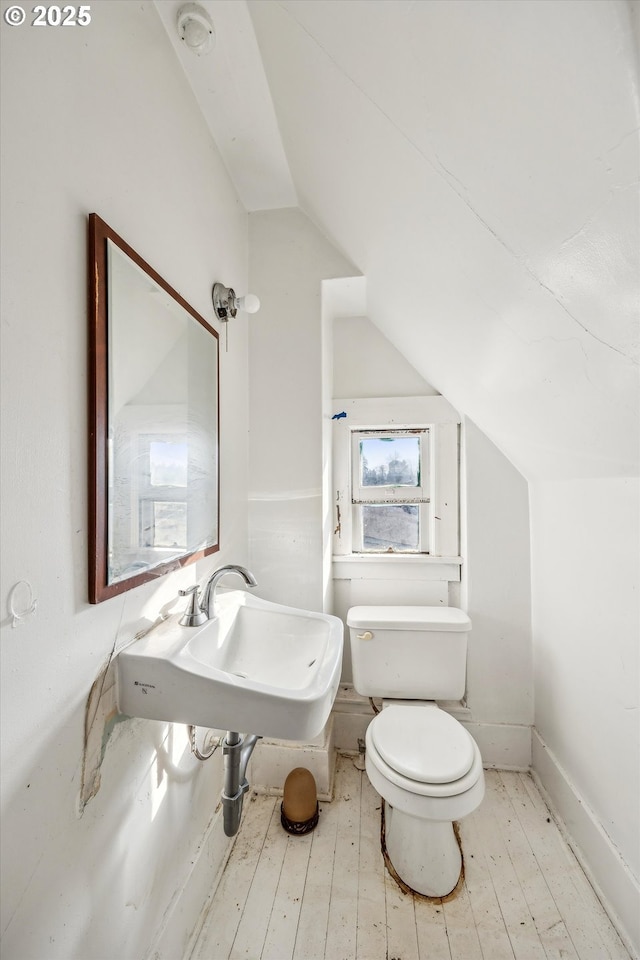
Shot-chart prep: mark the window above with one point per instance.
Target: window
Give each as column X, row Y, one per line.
column 390, row 490
column 395, row 471
column 162, row 483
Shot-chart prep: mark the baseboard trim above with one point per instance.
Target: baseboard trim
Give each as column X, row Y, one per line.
column 505, row 746
column 608, row 874
column 273, row 760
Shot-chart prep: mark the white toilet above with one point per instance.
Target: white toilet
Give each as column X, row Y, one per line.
column 423, row 763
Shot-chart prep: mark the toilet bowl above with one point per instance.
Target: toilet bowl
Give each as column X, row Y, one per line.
column 428, row 769
column 419, row 758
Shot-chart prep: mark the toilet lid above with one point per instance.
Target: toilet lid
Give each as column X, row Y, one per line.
column 423, row 743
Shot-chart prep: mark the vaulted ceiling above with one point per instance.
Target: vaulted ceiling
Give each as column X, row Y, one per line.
column 478, row 161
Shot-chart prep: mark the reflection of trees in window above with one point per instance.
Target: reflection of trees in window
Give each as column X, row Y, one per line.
column 390, row 460
column 394, row 472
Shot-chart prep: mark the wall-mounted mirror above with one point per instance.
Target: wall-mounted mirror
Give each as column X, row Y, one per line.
column 153, row 422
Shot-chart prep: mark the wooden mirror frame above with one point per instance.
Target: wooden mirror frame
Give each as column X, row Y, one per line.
column 98, row 425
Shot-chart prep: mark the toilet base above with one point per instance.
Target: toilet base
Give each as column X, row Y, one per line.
column 423, row 856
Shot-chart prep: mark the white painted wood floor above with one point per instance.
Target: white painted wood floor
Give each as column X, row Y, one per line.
column 327, row 895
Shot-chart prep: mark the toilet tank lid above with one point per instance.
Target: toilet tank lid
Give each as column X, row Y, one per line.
column 450, row 619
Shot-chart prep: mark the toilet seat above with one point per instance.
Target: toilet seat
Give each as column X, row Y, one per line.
column 424, row 729
column 423, row 743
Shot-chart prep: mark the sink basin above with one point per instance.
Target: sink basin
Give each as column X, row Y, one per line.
column 259, row 667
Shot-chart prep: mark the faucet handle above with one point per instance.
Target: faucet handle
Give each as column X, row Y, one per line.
column 193, row 616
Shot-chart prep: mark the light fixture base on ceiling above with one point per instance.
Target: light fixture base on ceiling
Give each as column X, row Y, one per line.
column 195, row 29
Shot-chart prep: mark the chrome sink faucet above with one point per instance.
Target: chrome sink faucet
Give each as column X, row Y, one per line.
column 209, row 594
column 193, row 616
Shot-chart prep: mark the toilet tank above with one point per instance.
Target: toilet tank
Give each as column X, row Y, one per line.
column 409, row 652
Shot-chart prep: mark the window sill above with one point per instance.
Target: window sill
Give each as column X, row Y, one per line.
column 364, row 566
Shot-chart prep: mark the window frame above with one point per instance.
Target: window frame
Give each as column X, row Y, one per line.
column 433, row 413
column 391, row 494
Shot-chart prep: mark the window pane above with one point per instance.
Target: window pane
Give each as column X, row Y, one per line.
column 169, row 523
column 167, row 464
column 390, row 526
column 390, row 461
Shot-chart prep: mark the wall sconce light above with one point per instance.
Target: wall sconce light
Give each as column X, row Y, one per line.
column 195, row 28
column 226, row 304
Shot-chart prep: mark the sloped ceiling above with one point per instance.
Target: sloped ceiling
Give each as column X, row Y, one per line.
column 478, row 161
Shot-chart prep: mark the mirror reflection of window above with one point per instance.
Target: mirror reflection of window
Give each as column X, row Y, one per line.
column 168, row 527
column 163, row 470
column 167, row 463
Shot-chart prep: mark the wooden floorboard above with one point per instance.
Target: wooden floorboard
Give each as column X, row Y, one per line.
column 522, row 940
column 224, row 915
column 252, row 929
column 341, row 930
column 328, row 896
column 549, row 924
column 283, row 923
column 314, row 914
column 371, row 930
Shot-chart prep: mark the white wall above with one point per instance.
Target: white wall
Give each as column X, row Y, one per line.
column 496, row 592
column 585, row 561
column 289, row 259
column 99, row 119
column 490, row 200
column 366, row 364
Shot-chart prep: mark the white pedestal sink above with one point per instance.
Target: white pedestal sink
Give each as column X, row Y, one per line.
column 259, row 667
